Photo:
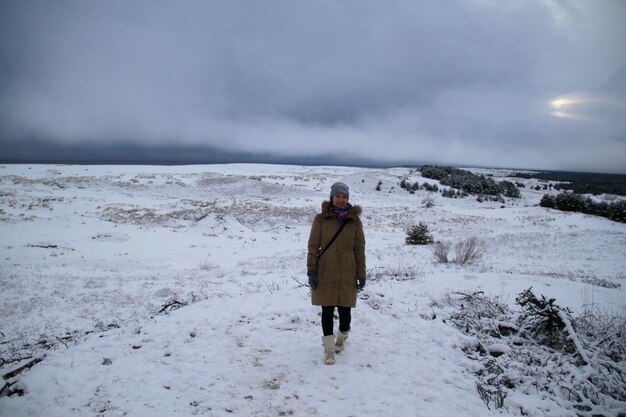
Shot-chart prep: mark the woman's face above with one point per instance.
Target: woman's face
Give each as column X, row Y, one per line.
column 340, row 200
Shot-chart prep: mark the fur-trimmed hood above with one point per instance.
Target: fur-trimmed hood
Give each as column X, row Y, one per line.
column 353, row 211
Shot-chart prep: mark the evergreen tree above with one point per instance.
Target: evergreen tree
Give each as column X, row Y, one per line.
column 419, row 235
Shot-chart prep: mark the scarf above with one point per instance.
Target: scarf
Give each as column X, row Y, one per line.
column 339, row 213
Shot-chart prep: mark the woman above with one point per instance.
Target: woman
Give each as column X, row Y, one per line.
column 336, row 268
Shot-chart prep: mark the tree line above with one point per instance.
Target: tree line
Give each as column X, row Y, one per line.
column 615, row 210
column 582, row 182
column 469, row 182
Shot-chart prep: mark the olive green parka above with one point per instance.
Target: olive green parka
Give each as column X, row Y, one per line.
column 343, row 262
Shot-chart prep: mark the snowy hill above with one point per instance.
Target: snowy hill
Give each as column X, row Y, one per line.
column 162, row 291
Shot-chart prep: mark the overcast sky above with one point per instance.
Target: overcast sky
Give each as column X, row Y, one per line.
column 520, row 83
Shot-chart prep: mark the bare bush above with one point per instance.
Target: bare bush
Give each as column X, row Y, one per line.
column 207, row 266
column 441, row 251
column 491, row 386
column 468, row 251
column 399, row 272
column 606, row 333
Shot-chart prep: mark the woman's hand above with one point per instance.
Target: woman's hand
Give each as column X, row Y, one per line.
column 360, row 283
column 313, row 280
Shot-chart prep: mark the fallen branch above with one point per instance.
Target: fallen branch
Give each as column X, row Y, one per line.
column 17, row 359
column 62, row 341
column 201, row 217
column 21, row 369
column 549, row 320
column 573, row 337
column 172, row 305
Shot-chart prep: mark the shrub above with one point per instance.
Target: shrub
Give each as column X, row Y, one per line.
column 428, row 202
column 430, row 187
column 509, row 189
column 441, row 251
column 547, row 201
column 408, row 186
column 450, row 193
column 571, row 202
column 419, row 235
column 468, row 251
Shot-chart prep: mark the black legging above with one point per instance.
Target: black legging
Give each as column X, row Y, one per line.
column 328, row 313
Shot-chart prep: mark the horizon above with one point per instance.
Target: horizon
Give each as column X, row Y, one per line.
column 289, row 162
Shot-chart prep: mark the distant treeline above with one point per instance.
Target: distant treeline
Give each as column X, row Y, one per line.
column 615, row 210
column 470, row 183
column 581, row 182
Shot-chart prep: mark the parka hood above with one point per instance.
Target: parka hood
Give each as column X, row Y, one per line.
column 355, row 210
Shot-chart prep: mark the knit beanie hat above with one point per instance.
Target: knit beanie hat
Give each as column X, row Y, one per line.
column 339, row 188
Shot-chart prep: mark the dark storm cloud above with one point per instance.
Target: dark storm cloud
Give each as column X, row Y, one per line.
column 470, row 82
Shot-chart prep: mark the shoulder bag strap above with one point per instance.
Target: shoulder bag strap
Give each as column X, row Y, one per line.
column 330, row 242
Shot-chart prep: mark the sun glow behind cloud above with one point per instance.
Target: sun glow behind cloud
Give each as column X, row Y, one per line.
column 569, row 106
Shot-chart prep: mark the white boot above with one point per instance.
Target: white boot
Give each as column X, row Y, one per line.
column 341, row 341
column 329, row 349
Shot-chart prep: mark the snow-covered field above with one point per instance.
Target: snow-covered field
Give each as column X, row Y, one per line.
column 96, row 260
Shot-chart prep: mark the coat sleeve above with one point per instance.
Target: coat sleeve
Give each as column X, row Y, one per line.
column 315, row 240
column 359, row 251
